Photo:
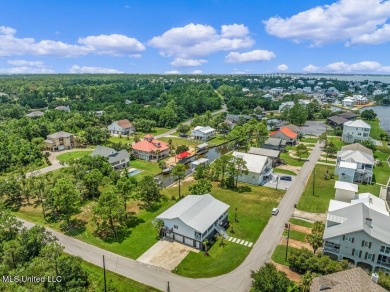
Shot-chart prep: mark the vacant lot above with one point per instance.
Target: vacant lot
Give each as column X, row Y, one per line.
column 65, row 157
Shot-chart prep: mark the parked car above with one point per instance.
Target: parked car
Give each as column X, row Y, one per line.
column 275, row 211
column 286, row 177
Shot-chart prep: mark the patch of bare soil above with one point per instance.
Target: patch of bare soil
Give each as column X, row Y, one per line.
column 295, row 243
column 290, row 274
column 294, row 169
column 299, row 228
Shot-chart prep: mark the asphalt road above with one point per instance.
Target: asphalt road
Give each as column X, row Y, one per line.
column 237, row 280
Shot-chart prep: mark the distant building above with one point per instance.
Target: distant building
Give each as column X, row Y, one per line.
column 285, row 134
column 203, row 133
column 272, row 154
column 121, row 127
column 150, row 149
column 60, row 141
column 274, row 144
column 259, row 168
column 63, row 108
column 356, row 131
column 35, row 114
column 117, row 159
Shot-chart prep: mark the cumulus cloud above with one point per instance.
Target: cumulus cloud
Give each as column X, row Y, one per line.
column 282, row 67
column 253, row 56
column 380, row 36
column 102, row 44
column 197, row 72
column 92, row 70
column 349, row 21
column 342, row 67
column 115, row 44
column 26, row 67
column 197, row 40
column 180, row 62
column 172, row 72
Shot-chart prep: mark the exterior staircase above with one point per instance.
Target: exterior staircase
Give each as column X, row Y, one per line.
column 221, row 231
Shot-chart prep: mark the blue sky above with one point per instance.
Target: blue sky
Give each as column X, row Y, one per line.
column 225, row 36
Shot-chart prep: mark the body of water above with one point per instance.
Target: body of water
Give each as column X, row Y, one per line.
column 358, row 78
column 383, row 113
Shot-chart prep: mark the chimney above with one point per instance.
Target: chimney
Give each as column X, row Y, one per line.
column 368, row 221
column 375, row 277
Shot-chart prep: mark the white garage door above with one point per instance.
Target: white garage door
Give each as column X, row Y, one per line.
column 61, row 147
column 189, row 241
column 179, row 238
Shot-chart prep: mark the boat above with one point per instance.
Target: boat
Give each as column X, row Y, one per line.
column 202, row 148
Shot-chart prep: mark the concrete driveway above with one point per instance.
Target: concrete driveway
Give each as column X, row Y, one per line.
column 313, row 128
column 282, row 184
column 166, row 255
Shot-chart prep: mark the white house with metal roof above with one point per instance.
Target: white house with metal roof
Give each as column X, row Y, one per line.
column 359, row 231
column 194, row 219
column 259, row 168
column 202, row 133
column 356, row 131
column 117, row 159
column 355, row 164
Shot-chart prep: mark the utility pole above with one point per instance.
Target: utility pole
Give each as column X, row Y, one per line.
column 314, row 178
column 287, row 226
column 104, row 272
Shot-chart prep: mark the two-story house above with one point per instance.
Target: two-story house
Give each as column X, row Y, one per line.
column 359, row 232
column 356, row 131
column 286, row 134
column 232, row 120
column 117, row 159
column 355, row 164
column 121, row 127
column 150, row 149
column 60, row 141
column 202, row 133
column 259, row 168
column 194, row 219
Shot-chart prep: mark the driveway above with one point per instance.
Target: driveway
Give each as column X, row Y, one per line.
column 166, row 255
column 313, row 128
column 282, row 184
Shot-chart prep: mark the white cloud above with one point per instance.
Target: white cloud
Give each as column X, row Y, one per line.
column 26, row 67
column 197, row 40
column 7, row 30
column 180, row 62
column 253, row 56
column 282, row 67
column 172, row 72
column 93, row 70
column 114, row 44
column 381, row 35
column 197, row 72
column 234, row 30
column 344, row 21
column 37, row 64
column 103, row 44
column 342, row 67
column 311, row 68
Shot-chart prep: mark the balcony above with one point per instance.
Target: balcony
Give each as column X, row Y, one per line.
column 331, row 247
column 382, row 263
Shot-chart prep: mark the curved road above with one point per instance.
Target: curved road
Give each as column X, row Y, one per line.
column 237, row 280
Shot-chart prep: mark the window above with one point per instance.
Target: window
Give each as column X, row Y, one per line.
column 356, row 253
column 348, row 238
column 385, row 249
column 175, row 226
column 366, row 244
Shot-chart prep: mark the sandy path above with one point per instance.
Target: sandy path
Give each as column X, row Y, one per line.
column 290, row 274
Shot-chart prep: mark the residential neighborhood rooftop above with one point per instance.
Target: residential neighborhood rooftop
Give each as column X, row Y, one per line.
column 357, row 124
column 342, row 185
column 357, row 146
column 285, row 131
column 149, row 144
column 59, row 135
column 264, row 152
column 254, row 163
column 124, row 124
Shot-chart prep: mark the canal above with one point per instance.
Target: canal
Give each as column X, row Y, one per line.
column 212, row 154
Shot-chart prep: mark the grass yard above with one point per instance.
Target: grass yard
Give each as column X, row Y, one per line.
column 148, row 167
column 181, row 141
column 279, row 254
column 376, row 130
column 290, row 160
column 296, row 235
column 301, row 222
column 323, row 191
column 65, row 157
column 253, row 212
column 114, row 281
column 284, row 171
column 381, row 173
column 367, row 188
column 337, row 142
column 123, row 139
column 217, row 140
column 309, row 140
column 381, row 156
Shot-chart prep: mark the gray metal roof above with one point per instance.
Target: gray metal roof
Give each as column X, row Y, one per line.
column 197, row 211
column 355, row 156
column 59, row 135
column 356, row 215
column 110, row 153
column 264, row 152
column 275, row 141
column 357, row 146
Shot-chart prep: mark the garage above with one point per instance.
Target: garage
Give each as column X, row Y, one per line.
column 189, row 241
column 178, row 237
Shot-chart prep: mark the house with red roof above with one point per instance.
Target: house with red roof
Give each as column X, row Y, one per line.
column 285, row 134
column 150, row 149
column 121, row 127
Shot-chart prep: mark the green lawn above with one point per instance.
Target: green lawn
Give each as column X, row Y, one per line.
column 125, row 139
column 253, row 212
column 367, row 188
column 148, row 167
column 65, row 157
column 376, row 130
column 180, row 141
column 284, row 171
column 309, row 140
column 291, row 161
column 114, row 281
column 323, row 191
column 381, row 173
column 337, row 142
column 301, row 222
column 217, row 140
column 296, row 235
column 381, row 156
column 279, row 255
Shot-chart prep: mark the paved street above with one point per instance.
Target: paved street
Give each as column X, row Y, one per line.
column 237, row 280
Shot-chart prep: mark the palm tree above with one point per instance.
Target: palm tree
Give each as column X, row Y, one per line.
column 179, row 171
